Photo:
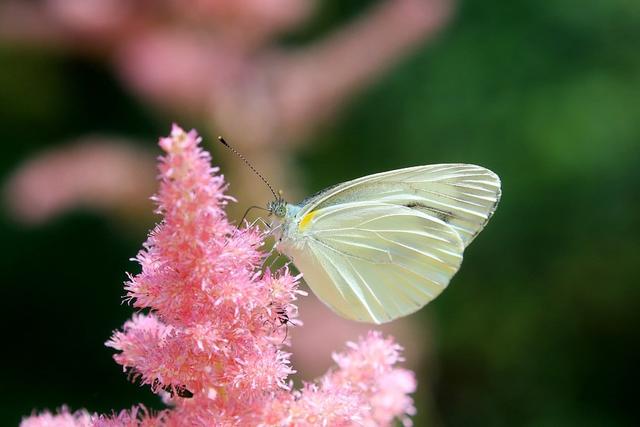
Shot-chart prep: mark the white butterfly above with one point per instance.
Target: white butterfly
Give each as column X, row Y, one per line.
column 384, row 245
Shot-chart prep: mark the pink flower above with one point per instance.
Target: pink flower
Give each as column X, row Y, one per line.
column 212, row 342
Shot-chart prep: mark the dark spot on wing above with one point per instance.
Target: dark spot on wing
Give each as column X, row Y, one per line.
column 442, row 215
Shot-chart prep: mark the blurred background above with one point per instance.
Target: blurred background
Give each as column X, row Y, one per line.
column 540, row 325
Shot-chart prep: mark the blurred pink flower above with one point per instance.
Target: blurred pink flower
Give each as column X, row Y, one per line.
column 99, row 26
column 219, row 60
column 211, row 344
column 95, row 173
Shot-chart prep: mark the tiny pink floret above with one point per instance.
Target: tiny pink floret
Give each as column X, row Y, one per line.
column 211, row 341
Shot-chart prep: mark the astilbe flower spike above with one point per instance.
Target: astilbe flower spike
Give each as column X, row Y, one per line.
column 212, row 342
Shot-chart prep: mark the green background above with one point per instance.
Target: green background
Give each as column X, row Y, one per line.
column 541, row 325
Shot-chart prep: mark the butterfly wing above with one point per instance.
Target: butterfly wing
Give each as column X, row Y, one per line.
column 374, row 262
column 461, row 195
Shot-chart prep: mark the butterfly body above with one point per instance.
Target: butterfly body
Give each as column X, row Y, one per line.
column 384, row 245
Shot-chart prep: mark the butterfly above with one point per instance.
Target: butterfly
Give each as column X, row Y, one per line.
column 383, row 246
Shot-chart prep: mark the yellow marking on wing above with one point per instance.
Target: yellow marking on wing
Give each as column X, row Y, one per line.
column 304, row 222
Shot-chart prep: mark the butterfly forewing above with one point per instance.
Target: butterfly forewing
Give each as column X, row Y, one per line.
column 375, row 262
column 463, row 196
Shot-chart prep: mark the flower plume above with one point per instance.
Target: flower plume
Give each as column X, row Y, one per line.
column 210, row 340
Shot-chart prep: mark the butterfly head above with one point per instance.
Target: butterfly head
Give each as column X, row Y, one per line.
column 278, row 207
column 284, row 219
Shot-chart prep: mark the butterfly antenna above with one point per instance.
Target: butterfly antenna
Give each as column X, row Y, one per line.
column 246, row 162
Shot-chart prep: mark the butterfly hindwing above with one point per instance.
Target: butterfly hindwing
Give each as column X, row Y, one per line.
column 373, row 261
